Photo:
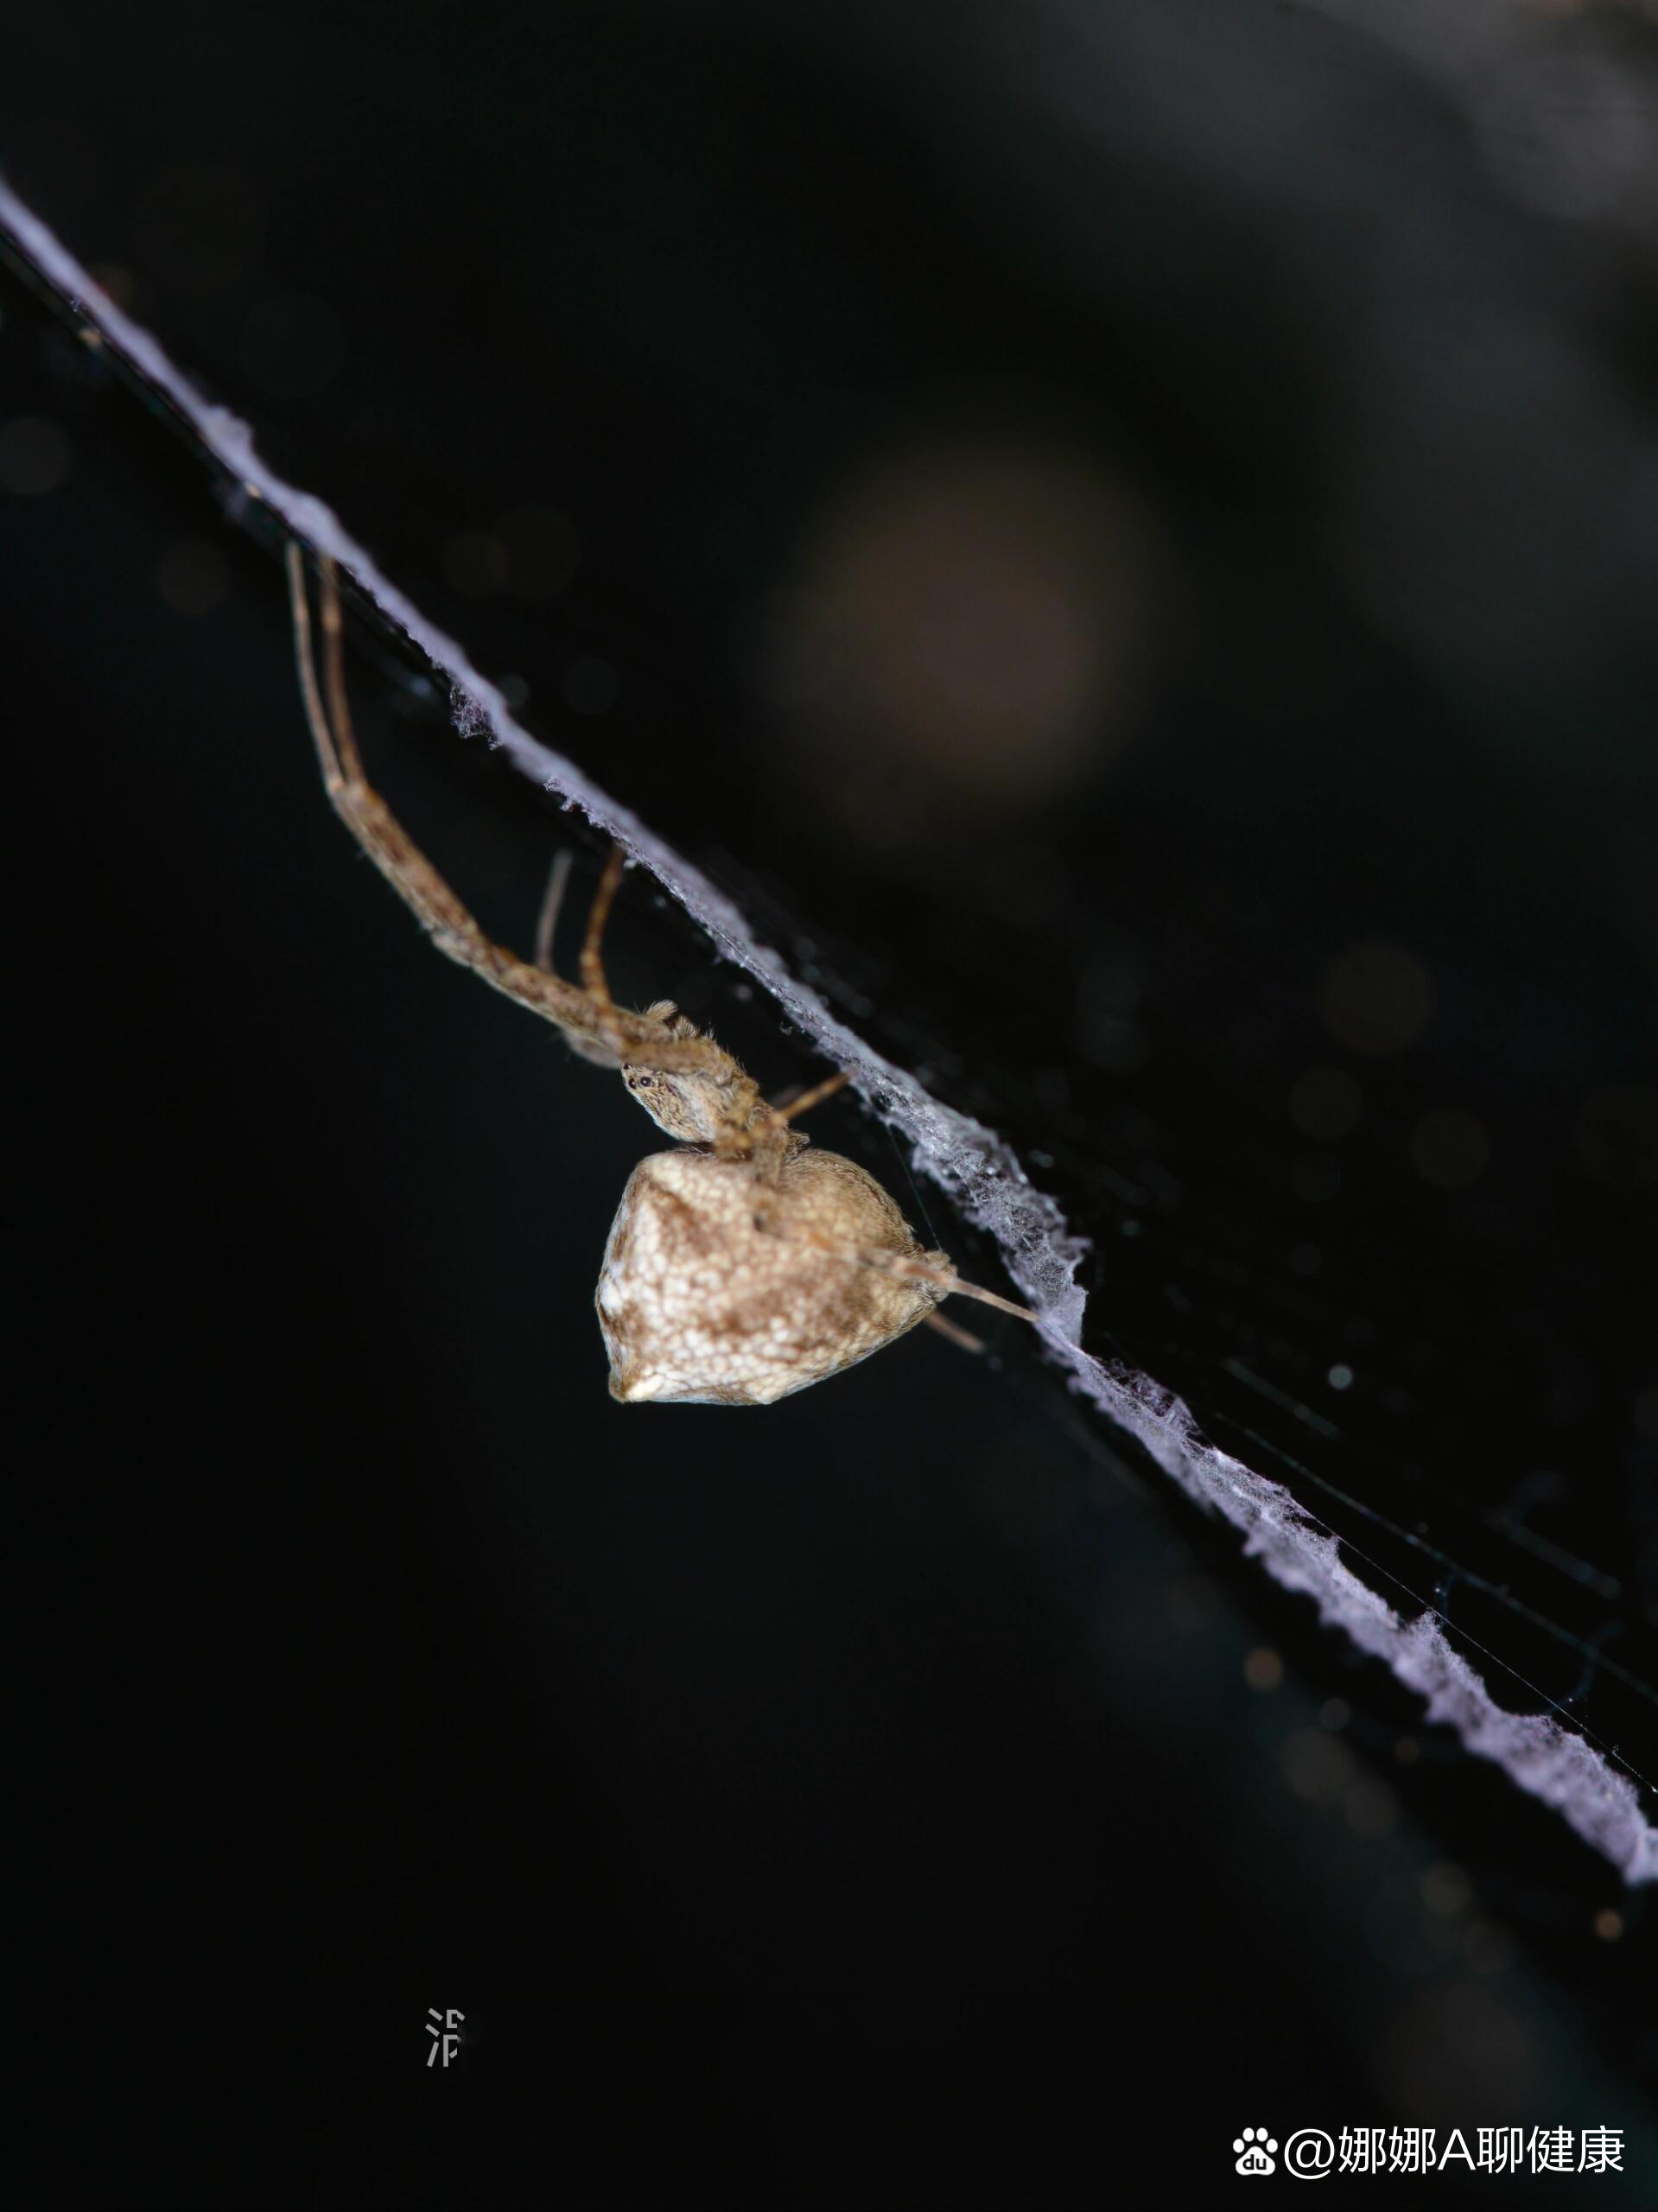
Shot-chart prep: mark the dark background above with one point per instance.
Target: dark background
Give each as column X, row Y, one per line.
column 1125, row 538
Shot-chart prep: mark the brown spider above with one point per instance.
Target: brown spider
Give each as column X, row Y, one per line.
column 739, row 1268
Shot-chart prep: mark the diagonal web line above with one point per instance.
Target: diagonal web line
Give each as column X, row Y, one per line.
column 1591, row 1653
column 1553, row 1761
column 1587, row 1649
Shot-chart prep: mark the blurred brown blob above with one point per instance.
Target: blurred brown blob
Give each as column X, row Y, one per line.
column 1325, row 1103
column 962, row 638
column 1317, row 1177
column 475, row 563
column 530, row 553
column 193, row 577
column 1446, row 1890
column 1449, row 1148
column 1317, row 1767
column 1376, row 999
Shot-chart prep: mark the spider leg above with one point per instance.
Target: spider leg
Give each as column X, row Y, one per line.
column 952, row 1332
column 589, row 1017
column 651, row 1046
column 594, row 979
column 942, row 1277
column 931, row 1267
column 552, row 899
column 815, row 1096
column 395, row 852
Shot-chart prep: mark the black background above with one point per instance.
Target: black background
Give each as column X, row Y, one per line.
column 866, row 1802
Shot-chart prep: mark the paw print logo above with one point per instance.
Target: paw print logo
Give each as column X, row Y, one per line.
column 1256, row 2148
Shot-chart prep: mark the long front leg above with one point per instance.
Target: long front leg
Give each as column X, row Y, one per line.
column 394, row 852
column 586, row 1013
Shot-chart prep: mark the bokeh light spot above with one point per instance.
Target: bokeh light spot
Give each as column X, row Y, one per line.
column 1325, row 1103
column 591, row 686
column 1446, row 1890
column 475, row 563
column 1449, row 1148
column 961, row 635
column 1317, row 1178
column 1376, row 999
column 193, row 577
column 1371, row 1807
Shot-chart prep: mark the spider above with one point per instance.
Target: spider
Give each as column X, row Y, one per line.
column 740, row 1267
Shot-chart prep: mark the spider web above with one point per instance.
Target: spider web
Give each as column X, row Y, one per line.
column 1385, row 1587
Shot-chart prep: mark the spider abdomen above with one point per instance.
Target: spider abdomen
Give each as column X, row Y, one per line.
column 701, row 1304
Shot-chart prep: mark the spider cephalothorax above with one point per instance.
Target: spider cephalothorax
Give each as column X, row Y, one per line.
column 715, row 1288
column 715, row 1101
column 739, row 1269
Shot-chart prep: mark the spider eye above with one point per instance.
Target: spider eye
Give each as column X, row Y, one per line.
column 643, row 1081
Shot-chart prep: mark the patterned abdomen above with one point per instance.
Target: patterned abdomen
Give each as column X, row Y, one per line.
column 698, row 1305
